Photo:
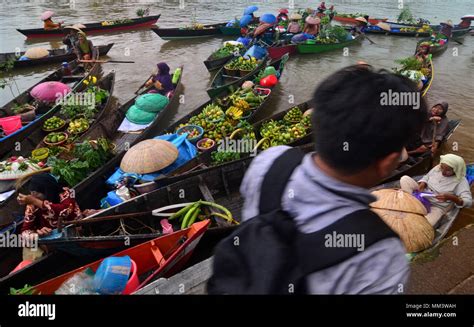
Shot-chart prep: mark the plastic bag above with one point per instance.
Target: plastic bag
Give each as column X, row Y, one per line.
column 80, row 283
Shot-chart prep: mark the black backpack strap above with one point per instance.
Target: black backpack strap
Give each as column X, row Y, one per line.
column 275, row 180
column 319, row 250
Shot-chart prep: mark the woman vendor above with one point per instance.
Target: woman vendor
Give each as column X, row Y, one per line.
column 434, row 129
column 282, row 15
column 162, row 82
column 448, row 183
column 312, row 25
column 294, row 26
column 360, row 26
column 46, row 204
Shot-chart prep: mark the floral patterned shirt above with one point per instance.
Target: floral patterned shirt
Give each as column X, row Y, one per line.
column 36, row 218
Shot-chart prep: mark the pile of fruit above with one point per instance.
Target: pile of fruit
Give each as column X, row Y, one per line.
column 192, row 132
column 55, row 137
column 197, row 210
column 292, row 127
column 78, row 126
column 53, row 123
column 40, row 154
column 205, row 144
column 238, row 108
column 241, row 63
column 326, row 40
column 214, row 122
column 114, row 22
column 248, row 95
column 425, row 29
column 408, row 29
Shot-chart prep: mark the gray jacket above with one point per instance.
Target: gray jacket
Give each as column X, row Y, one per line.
column 316, row 201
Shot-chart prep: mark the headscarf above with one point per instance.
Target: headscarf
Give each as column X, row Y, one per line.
column 445, row 107
column 456, row 163
column 84, row 45
column 47, row 185
column 164, row 78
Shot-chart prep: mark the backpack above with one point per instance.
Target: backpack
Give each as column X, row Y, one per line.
column 268, row 255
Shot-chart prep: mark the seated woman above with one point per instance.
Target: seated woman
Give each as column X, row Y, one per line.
column 45, row 205
column 423, row 53
column 449, row 184
column 162, row 82
column 282, row 15
column 312, row 25
column 50, row 25
column 360, row 27
column 71, row 39
column 84, row 48
column 294, row 26
column 437, row 117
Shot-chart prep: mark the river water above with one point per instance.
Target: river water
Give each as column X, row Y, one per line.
column 454, row 80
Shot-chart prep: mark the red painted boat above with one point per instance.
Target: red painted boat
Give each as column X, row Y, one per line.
column 161, row 257
column 276, row 52
column 352, row 21
column 92, row 28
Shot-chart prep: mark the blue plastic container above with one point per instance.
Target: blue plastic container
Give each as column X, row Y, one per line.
column 112, row 275
column 256, row 51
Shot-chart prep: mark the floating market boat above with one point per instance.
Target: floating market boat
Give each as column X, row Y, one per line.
column 213, row 63
column 436, row 48
column 222, row 81
column 350, row 19
column 189, row 32
column 161, row 257
column 55, row 55
column 413, row 31
column 311, row 46
column 94, row 28
column 42, row 111
column 279, row 50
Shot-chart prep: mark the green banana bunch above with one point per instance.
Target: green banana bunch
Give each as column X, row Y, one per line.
column 190, row 213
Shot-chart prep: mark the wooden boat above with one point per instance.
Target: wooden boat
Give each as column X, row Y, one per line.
column 215, row 64
column 55, row 55
column 352, row 20
column 110, row 121
column 186, row 33
column 163, row 256
column 319, row 48
column 230, row 31
column 93, row 28
column 43, row 112
column 221, row 81
column 434, row 49
column 395, row 31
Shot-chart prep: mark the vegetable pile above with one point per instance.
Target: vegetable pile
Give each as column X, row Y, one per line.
column 241, row 63
column 227, row 50
column 78, row 126
column 53, row 123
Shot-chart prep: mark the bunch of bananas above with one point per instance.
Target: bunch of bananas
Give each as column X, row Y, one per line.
column 193, row 211
column 241, row 104
column 234, row 112
column 293, row 115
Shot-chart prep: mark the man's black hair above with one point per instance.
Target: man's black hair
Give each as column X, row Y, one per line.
column 352, row 129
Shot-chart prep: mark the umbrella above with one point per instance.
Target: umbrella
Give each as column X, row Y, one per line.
column 261, row 29
column 36, row 53
column 149, row 156
column 49, row 91
column 268, row 19
column 250, row 10
column 384, row 26
column 47, row 14
column 245, row 20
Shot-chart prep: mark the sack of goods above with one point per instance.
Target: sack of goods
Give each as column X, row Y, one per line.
column 36, row 53
column 146, row 108
column 405, row 215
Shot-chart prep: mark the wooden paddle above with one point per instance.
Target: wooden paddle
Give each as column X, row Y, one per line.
column 457, row 41
column 106, row 61
column 368, row 39
column 433, row 139
column 141, row 87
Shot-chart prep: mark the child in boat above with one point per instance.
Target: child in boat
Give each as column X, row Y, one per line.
column 449, row 184
column 438, row 120
column 162, row 82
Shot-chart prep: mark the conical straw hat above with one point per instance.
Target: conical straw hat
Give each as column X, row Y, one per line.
column 149, row 156
column 384, row 26
column 36, row 53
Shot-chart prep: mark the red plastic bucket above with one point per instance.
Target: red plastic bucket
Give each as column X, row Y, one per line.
column 10, row 124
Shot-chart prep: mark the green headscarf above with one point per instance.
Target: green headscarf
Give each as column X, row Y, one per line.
column 455, row 162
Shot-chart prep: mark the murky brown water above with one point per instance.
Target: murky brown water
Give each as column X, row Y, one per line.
column 454, row 78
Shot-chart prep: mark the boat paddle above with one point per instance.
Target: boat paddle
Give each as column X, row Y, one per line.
column 433, row 140
column 107, row 61
column 457, row 41
column 146, row 81
column 368, row 39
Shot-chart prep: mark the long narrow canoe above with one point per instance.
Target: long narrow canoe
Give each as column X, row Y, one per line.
column 187, row 33
column 395, row 31
column 92, row 28
column 352, row 20
column 43, row 112
column 215, row 64
column 221, row 81
column 319, row 48
column 161, row 257
column 55, row 55
column 427, row 86
column 279, row 50
column 434, row 49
